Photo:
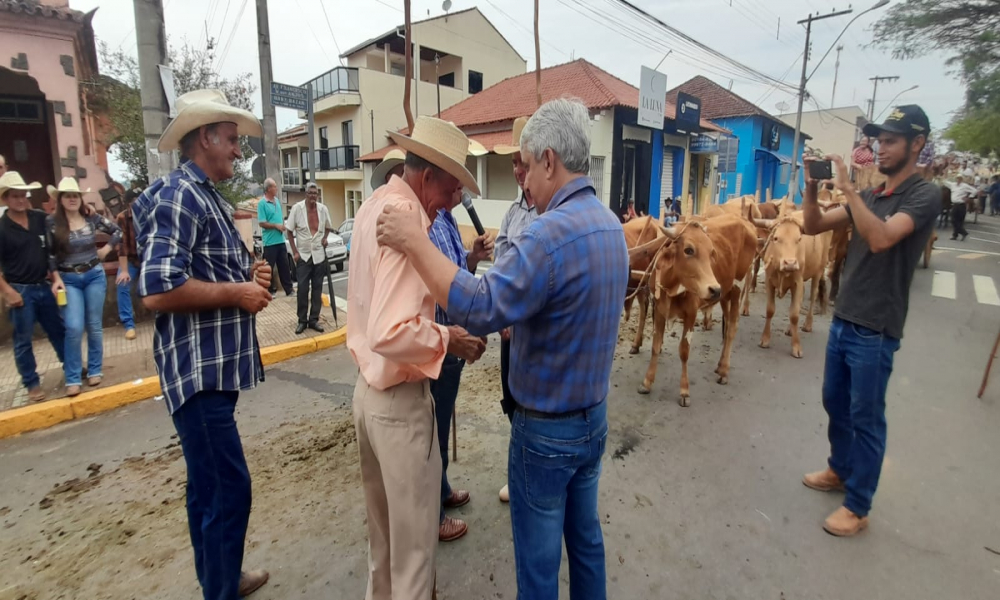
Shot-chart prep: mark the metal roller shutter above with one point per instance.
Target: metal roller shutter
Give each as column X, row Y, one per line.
column 666, row 180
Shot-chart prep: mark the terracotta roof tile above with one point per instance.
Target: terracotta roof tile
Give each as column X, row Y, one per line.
column 716, row 101
column 36, row 8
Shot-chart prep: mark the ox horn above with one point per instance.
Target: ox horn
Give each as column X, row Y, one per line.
column 670, row 232
column 764, row 223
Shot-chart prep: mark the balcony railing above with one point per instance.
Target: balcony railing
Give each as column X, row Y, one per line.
column 336, row 81
column 338, row 158
column 291, row 177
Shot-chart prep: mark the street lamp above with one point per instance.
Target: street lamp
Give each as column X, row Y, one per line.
column 805, row 78
column 910, row 89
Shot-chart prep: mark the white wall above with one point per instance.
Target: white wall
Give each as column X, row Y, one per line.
column 601, row 141
column 829, row 133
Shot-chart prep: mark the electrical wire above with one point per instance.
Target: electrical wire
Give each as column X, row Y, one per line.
column 308, row 22
column 332, row 35
column 526, row 30
column 232, row 35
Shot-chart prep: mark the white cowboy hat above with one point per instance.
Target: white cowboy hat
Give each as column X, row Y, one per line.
column 204, row 107
column 393, row 158
column 441, row 144
column 68, row 184
column 12, row 180
column 503, row 149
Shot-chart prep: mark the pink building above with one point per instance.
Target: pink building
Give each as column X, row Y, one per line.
column 47, row 131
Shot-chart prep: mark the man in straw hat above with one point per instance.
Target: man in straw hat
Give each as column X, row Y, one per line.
column 562, row 282
column 24, row 269
column 205, row 287
column 398, row 347
column 520, row 214
column 392, row 164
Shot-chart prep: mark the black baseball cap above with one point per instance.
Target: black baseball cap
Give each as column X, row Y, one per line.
column 909, row 120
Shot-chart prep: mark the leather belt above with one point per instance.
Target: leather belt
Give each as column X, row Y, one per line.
column 80, row 268
column 550, row 416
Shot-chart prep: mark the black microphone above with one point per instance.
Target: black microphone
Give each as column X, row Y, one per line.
column 467, row 203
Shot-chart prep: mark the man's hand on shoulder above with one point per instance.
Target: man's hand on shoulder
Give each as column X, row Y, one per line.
column 465, row 345
column 398, row 225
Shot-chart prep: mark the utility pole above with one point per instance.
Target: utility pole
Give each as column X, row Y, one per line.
column 836, row 71
column 876, row 79
column 794, row 179
column 151, row 39
column 272, row 164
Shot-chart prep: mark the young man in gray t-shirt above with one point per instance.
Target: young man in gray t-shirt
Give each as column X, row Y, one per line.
column 890, row 226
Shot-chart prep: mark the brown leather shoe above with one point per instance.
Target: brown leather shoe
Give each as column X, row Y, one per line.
column 251, row 581
column 130, row 334
column 95, row 381
column 457, row 498
column 844, row 523
column 823, row 481
column 36, row 394
column 72, row 390
column 452, row 529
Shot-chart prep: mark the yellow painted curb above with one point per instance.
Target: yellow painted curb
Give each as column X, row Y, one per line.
column 52, row 412
column 36, row 416
column 329, row 340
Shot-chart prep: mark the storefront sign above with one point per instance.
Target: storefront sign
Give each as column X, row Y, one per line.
column 652, row 96
column 770, row 138
column 704, row 144
column 688, row 117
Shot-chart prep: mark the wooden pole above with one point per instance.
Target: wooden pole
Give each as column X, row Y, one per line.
column 989, row 367
column 408, row 53
column 538, row 61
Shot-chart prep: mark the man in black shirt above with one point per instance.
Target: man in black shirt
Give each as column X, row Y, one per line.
column 24, row 269
column 891, row 225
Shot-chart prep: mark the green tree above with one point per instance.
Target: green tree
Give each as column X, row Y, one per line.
column 117, row 92
column 969, row 31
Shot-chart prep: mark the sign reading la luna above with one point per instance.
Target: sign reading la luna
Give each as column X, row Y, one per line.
column 652, row 97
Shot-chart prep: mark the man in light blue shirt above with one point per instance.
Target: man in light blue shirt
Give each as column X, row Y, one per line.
column 272, row 229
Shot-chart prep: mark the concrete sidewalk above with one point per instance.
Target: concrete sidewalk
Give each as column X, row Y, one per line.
column 126, row 360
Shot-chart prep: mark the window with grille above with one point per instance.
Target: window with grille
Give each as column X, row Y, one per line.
column 597, row 174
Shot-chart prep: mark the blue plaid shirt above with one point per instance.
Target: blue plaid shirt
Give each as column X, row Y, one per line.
column 185, row 229
column 444, row 233
column 563, row 283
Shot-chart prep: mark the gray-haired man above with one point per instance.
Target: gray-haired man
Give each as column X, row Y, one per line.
column 272, row 225
column 308, row 226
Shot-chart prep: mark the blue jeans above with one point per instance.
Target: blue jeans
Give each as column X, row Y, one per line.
column 84, row 310
column 858, row 366
column 218, row 490
column 39, row 307
column 125, row 298
column 553, row 469
column 445, row 392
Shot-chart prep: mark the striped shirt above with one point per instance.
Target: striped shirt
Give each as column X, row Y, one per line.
column 444, row 233
column 184, row 230
column 563, row 282
column 516, row 220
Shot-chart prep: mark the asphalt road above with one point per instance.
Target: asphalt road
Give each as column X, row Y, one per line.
column 699, row 502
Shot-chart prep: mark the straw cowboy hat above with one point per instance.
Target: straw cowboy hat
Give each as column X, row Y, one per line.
column 519, row 124
column 12, row 180
column 204, row 107
column 441, row 144
column 392, row 159
column 67, row 185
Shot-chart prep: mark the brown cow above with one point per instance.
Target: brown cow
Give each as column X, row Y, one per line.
column 701, row 266
column 640, row 237
column 790, row 259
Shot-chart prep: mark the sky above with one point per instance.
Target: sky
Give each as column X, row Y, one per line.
column 306, row 42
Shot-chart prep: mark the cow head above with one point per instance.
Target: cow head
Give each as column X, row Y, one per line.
column 685, row 264
column 784, row 247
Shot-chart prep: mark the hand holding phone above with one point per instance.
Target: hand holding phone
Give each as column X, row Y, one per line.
column 820, row 170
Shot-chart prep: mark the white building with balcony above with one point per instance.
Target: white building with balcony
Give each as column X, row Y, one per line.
column 455, row 57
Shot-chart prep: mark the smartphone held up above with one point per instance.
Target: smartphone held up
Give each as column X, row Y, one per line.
column 820, row 170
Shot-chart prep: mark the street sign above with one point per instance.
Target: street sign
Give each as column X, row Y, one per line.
column 289, row 96
column 704, row 144
column 688, row 118
column 652, row 96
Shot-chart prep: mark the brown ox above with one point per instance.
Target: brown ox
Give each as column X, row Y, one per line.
column 829, row 199
column 641, row 237
column 790, row 259
column 701, row 266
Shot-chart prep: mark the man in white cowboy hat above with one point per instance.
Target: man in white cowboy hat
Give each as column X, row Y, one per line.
column 562, row 282
column 24, row 269
column 398, row 347
column 392, row 164
column 205, row 287
column 520, row 214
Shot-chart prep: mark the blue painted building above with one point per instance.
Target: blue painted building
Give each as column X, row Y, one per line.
column 758, row 155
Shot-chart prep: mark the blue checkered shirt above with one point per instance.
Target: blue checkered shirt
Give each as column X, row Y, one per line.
column 563, row 283
column 185, row 229
column 444, row 233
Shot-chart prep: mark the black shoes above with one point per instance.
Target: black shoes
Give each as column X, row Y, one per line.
column 300, row 328
column 316, row 327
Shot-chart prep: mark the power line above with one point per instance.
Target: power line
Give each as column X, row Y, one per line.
column 525, row 29
column 760, row 23
column 232, row 35
column 223, row 25
column 332, row 35
column 312, row 31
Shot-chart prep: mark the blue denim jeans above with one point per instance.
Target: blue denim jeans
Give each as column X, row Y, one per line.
column 39, row 307
column 445, row 392
column 858, row 366
column 125, row 314
column 84, row 311
column 553, row 470
column 218, row 490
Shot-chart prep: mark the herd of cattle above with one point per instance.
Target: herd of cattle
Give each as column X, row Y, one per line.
column 703, row 260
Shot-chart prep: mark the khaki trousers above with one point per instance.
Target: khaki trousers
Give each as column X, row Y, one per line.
column 401, row 475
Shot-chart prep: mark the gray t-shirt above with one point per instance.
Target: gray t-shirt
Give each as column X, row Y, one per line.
column 875, row 292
